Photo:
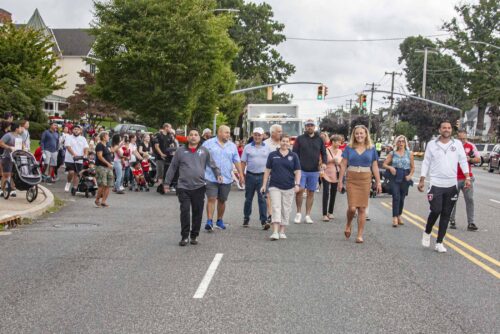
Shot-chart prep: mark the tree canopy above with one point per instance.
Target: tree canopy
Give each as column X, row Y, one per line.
column 27, row 71
column 474, row 36
column 164, row 60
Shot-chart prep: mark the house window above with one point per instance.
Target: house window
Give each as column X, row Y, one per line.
column 48, row 106
column 92, row 68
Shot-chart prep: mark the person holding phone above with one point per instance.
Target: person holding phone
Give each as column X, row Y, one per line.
column 283, row 166
column 331, row 177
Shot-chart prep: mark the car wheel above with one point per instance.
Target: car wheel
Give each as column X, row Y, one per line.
column 490, row 167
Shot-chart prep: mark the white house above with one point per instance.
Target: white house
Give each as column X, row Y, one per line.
column 71, row 48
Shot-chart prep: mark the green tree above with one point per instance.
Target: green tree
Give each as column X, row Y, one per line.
column 445, row 78
column 424, row 117
column 405, row 129
column 478, row 23
column 27, row 71
column 164, row 60
column 84, row 103
column 257, row 35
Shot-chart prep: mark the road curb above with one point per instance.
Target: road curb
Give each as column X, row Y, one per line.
column 35, row 211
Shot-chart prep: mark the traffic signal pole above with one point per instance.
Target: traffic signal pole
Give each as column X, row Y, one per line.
column 372, row 90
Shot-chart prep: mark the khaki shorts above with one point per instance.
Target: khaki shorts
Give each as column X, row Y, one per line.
column 104, row 176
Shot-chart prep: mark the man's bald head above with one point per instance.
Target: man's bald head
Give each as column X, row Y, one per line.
column 223, row 133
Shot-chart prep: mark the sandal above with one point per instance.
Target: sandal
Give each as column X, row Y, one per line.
column 104, row 205
column 347, row 232
column 359, row 240
column 326, row 219
column 394, row 222
column 400, row 221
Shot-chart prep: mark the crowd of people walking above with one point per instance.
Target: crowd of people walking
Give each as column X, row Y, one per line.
column 270, row 167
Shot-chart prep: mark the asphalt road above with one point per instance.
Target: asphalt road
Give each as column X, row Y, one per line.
column 120, row 270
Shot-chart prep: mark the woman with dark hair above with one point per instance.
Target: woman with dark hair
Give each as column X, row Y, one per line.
column 331, row 176
column 116, row 149
column 4, row 128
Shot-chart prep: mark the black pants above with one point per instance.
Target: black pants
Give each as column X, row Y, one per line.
column 329, row 194
column 442, row 201
column 191, row 200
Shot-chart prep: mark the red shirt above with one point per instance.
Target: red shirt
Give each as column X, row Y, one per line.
column 137, row 172
column 145, row 166
column 468, row 147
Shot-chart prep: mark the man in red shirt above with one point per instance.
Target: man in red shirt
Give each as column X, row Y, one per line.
column 473, row 157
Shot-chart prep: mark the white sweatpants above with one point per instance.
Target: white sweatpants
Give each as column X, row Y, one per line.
column 281, row 204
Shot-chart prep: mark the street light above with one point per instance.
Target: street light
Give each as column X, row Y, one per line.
column 484, row 43
column 228, row 10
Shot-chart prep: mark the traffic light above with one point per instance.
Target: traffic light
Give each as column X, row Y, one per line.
column 325, row 91
column 321, row 92
column 363, row 100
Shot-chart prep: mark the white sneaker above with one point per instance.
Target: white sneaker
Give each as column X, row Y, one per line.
column 274, row 236
column 13, row 193
column 309, row 220
column 440, row 248
column 121, row 188
column 298, row 218
column 282, row 235
column 426, row 239
column 67, row 186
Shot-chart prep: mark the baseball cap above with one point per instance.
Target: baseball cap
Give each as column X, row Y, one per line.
column 258, row 130
column 309, row 122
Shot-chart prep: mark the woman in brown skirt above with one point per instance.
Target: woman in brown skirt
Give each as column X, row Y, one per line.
column 360, row 161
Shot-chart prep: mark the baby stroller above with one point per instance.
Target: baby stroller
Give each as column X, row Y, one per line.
column 25, row 174
column 87, row 183
column 386, row 185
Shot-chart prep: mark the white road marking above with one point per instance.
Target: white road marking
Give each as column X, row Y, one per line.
column 495, row 201
column 205, row 282
column 5, row 233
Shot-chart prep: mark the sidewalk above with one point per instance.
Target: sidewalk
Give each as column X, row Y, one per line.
column 20, row 207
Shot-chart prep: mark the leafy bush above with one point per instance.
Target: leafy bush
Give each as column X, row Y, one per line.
column 36, row 129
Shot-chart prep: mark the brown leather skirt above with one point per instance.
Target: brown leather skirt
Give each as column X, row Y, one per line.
column 358, row 188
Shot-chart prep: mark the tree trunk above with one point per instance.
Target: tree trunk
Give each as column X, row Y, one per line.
column 481, row 108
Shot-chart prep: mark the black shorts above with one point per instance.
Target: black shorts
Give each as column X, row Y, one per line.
column 71, row 166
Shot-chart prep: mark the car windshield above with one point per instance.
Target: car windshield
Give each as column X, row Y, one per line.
column 480, row 147
column 291, row 128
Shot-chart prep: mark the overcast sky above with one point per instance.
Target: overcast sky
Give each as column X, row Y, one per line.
column 343, row 67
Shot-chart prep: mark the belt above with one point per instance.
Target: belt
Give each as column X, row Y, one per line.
column 359, row 169
column 254, row 173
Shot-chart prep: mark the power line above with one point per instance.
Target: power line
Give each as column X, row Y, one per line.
column 357, row 40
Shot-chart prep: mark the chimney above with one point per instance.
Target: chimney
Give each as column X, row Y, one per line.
column 5, row 16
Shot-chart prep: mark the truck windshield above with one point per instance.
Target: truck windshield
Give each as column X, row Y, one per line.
column 291, row 128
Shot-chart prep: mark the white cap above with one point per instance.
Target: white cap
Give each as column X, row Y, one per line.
column 258, row 130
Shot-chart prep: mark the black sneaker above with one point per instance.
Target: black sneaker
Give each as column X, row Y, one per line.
column 183, row 242
column 453, row 226
column 245, row 222
column 269, row 220
column 194, row 241
column 472, row 227
column 266, row 226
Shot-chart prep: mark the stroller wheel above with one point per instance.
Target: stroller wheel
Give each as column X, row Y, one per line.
column 93, row 193
column 32, row 194
column 8, row 188
column 86, row 194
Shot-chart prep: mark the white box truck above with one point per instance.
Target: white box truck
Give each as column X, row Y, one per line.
column 265, row 115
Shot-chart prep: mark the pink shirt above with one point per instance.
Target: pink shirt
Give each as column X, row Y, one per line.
column 331, row 170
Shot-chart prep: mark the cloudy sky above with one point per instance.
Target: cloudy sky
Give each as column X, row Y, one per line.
column 345, row 67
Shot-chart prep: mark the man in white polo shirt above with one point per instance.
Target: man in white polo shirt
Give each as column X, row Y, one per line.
column 442, row 157
column 76, row 146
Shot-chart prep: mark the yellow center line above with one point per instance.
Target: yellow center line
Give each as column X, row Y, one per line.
column 452, row 246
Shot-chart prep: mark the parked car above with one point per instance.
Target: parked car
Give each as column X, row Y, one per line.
column 123, row 129
column 494, row 161
column 484, row 151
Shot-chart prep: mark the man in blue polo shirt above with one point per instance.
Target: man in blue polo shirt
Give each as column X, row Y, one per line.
column 50, row 146
column 225, row 154
column 254, row 158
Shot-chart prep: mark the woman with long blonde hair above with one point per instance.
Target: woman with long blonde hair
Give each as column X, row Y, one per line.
column 401, row 165
column 359, row 161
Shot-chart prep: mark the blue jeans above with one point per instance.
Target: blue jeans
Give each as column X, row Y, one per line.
column 117, row 166
column 253, row 183
column 399, row 192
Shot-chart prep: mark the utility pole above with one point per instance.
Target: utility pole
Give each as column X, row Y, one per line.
column 393, row 74
column 372, row 90
column 350, row 115
column 424, row 79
